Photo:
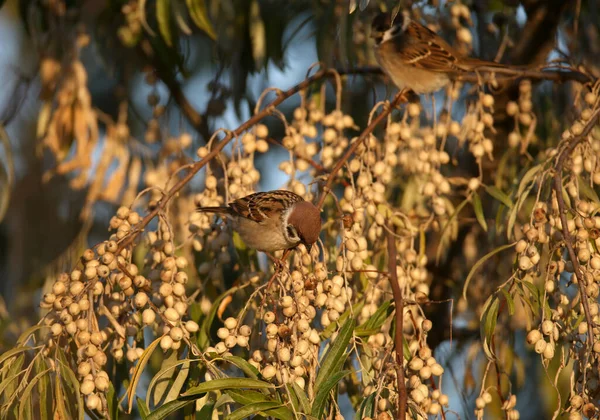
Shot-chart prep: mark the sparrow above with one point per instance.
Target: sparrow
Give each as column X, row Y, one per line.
column 273, row 220
column 416, row 58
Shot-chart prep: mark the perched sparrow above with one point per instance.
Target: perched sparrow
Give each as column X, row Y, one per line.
column 274, row 220
column 417, row 58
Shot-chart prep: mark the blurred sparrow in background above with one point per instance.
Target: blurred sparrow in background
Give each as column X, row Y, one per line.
column 273, row 221
column 416, row 58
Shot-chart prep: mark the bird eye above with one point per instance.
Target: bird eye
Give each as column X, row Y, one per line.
column 291, row 231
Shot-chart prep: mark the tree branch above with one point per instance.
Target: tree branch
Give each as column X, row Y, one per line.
column 399, row 334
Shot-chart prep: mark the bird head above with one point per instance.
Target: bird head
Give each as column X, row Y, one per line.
column 384, row 28
column 304, row 223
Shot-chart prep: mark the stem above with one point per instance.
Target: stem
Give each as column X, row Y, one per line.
column 399, row 335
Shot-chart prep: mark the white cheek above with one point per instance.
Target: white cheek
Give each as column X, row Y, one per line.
column 389, row 34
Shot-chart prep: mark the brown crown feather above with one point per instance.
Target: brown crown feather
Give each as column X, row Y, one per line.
column 306, row 218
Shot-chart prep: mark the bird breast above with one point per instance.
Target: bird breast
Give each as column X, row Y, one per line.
column 267, row 236
column 404, row 75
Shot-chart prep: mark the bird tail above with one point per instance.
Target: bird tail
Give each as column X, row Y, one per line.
column 214, row 209
column 475, row 65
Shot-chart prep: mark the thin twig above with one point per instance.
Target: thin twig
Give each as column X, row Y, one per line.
column 399, row 335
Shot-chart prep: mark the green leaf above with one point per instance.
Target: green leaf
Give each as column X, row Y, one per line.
column 163, row 16
column 197, row 10
column 328, row 332
column 499, row 195
column 366, row 408
column 479, row 263
column 243, row 364
column 254, row 408
column 206, row 412
column 142, row 408
column 336, row 355
column 478, row 209
column 167, row 383
column 26, row 400
column 323, row 392
column 164, row 410
column 525, row 186
column 534, row 292
column 252, row 397
column 139, row 369
column 374, row 323
column 227, row 383
column 69, row 376
column 509, row 301
column 489, row 318
column 43, row 391
column 112, row 402
column 584, row 188
column 302, row 398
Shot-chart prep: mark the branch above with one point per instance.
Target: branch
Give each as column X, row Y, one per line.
column 216, row 149
column 399, row 334
column 562, row 209
column 559, row 75
column 363, row 136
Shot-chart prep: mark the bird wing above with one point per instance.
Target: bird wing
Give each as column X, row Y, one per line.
column 424, row 49
column 261, row 206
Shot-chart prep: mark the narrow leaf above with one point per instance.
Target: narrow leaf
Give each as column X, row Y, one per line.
column 227, row 383
column 197, row 10
column 323, row 392
column 302, row 398
column 375, row 321
column 479, row 263
column 478, row 209
column 366, row 408
column 253, row 397
column 139, row 369
column 142, row 408
column 336, row 355
column 169, row 408
column 251, row 409
column 163, row 16
column 499, row 195
column 489, row 318
column 243, row 364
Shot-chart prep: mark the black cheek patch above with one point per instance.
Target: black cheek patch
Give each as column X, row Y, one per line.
column 290, row 232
